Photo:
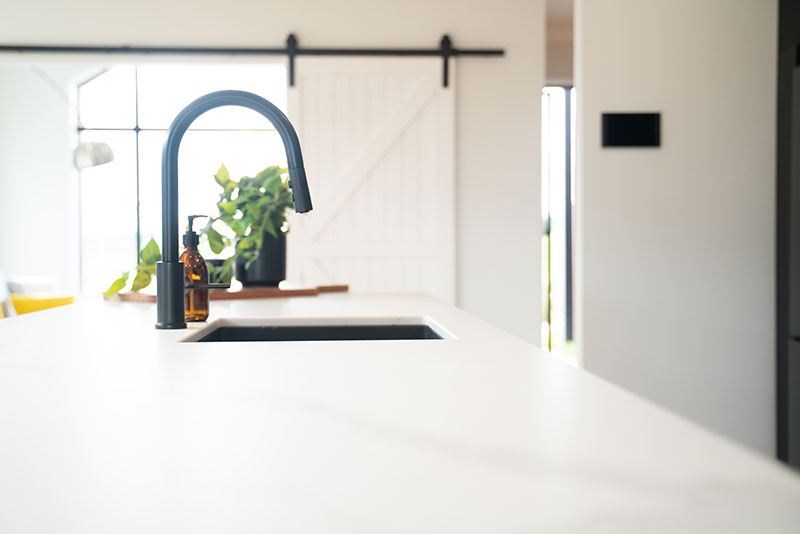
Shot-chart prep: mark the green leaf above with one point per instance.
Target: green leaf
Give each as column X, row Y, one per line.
column 279, row 221
column 151, row 253
column 228, row 207
column 149, row 269
column 227, row 219
column 223, row 176
column 274, row 185
column 269, row 227
column 268, row 173
column 229, row 187
column 252, row 210
column 239, row 227
column 117, row 285
column 247, row 184
column 141, row 281
column 245, row 242
column 270, row 178
column 215, row 241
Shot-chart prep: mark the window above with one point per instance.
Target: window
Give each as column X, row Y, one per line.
column 130, row 108
column 558, row 201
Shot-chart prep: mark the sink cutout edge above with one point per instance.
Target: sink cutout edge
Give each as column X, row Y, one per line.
column 216, row 324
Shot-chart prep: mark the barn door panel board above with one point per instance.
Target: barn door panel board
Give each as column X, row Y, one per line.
column 378, row 142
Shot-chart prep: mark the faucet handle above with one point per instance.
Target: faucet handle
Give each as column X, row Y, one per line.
column 206, row 286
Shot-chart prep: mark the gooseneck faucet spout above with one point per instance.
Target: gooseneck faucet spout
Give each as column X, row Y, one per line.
column 169, row 272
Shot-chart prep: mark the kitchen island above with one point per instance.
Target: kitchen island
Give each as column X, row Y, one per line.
column 109, row 425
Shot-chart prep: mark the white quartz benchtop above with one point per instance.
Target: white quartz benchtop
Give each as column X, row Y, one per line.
column 108, row 425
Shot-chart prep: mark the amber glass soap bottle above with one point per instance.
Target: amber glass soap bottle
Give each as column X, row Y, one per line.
column 195, row 273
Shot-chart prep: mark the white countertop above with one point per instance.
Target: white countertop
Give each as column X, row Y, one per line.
column 108, row 425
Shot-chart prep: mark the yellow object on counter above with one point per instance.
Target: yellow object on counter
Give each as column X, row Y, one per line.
column 31, row 302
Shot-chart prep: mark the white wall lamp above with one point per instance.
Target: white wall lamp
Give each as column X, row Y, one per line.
column 92, row 154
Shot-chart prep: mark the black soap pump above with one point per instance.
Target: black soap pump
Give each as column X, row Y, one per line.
column 195, row 274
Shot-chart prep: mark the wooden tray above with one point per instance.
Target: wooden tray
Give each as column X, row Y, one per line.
column 242, row 293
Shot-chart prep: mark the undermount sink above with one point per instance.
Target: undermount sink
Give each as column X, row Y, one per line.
column 323, row 329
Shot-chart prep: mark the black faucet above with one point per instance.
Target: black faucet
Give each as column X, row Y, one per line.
column 169, row 272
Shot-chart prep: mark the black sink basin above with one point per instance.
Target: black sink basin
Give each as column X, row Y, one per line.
column 320, row 333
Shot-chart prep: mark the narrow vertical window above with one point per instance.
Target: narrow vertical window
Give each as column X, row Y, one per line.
column 558, row 201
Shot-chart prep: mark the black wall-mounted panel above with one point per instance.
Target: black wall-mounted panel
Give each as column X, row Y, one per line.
column 631, row 129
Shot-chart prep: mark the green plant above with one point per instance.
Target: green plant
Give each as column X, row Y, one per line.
column 250, row 207
column 145, row 271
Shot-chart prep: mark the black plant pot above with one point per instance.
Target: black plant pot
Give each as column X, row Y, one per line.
column 269, row 269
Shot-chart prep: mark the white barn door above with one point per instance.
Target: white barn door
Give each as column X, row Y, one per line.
column 378, row 141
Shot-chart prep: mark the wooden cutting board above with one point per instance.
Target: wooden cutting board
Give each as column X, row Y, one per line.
column 242, row 293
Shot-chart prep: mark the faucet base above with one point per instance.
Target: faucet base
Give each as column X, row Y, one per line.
column 169, row 304
column 160, row 326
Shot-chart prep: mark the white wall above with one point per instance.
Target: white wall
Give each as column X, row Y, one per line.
column 676, row 252
column 38, row 187
column 497, row 137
